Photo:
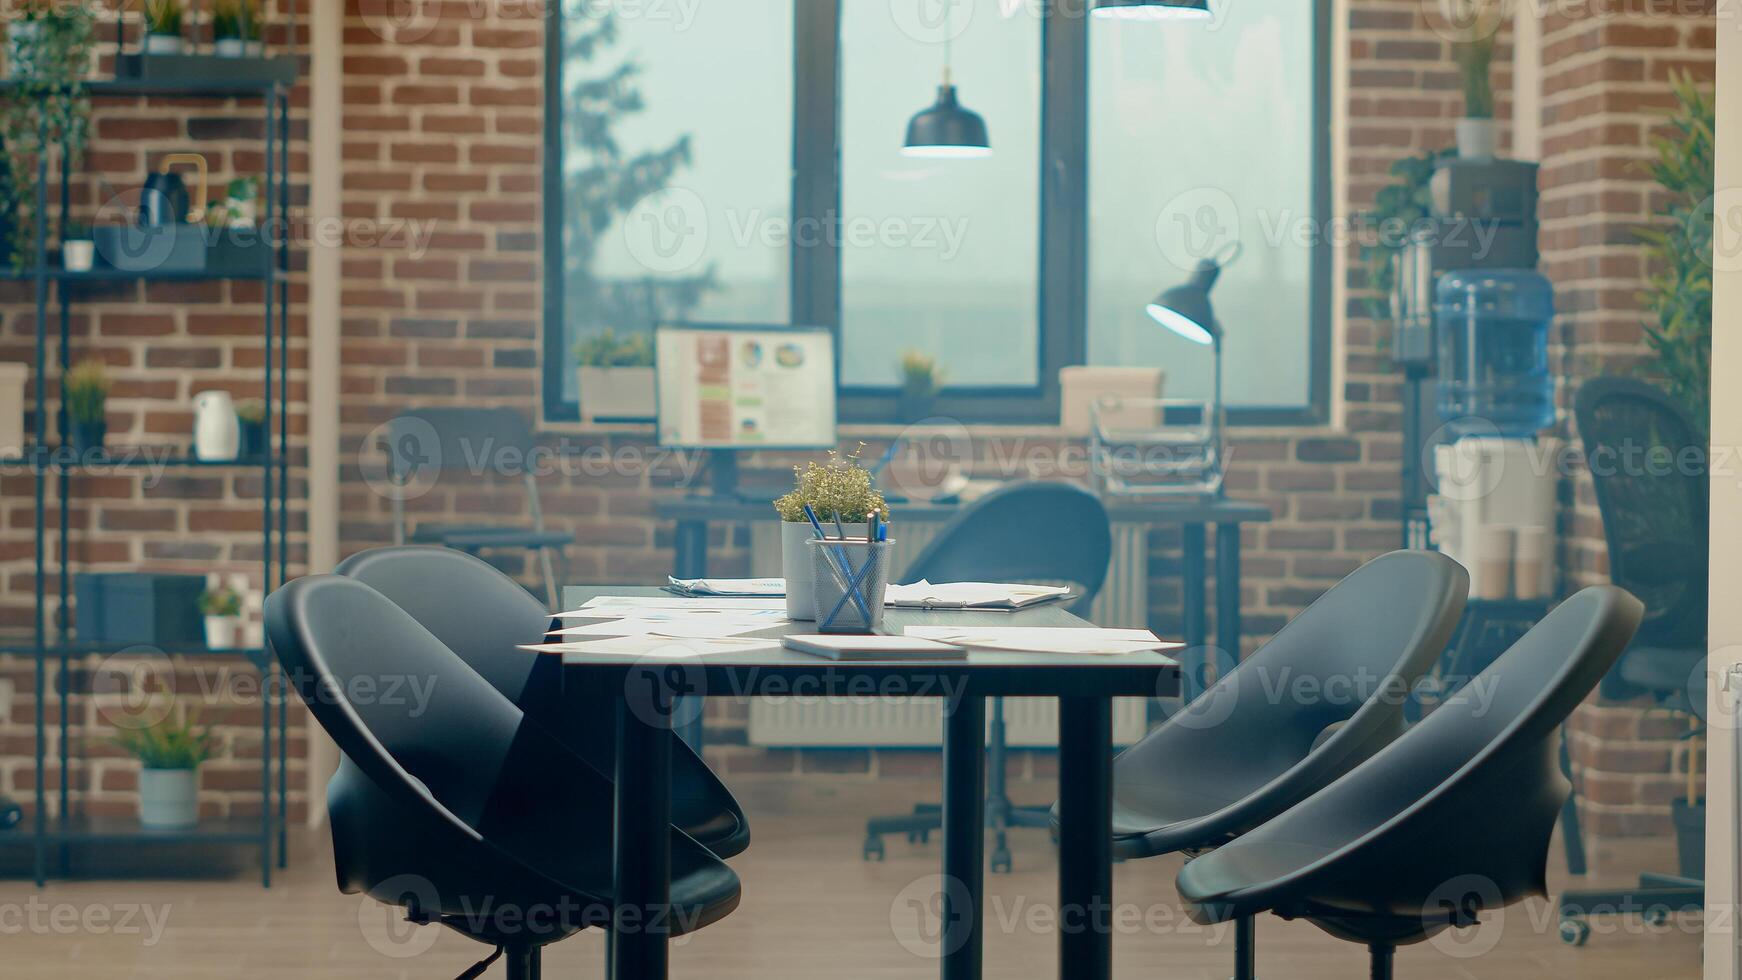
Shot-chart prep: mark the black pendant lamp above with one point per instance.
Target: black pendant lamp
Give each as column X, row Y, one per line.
column 1152, row 9
column 947, row 128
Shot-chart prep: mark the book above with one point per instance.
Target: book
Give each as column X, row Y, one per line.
column 971, row 595
column 840, row 646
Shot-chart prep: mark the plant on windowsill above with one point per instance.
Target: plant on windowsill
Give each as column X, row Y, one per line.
column 85, row 399
column 840, row 493
column 1679, row 253
column 236, row 28
column 170, row 753
column 163, row 26
column 1478, row 23
column 615, row 377
column 921, row 378
column 49, row 54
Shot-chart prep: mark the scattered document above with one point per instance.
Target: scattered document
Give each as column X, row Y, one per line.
column 700, row 627
column 606, row 606
column 657, row 647
column 1061, row 639
column 737, row 587
column 971, row 595
column 852, row 647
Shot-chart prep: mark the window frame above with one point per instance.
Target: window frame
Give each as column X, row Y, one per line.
column 1061, row 285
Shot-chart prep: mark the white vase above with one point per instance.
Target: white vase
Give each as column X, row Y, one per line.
column 616, row 392
column 169, row 799
column 163, row 44
column 1476, row 138
column 221, row 632
column 230, row 47
column 217, row 433
column 78, row 255
column 796, row 565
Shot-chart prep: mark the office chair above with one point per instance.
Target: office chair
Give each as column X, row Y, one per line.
column 1648, row 466
column 1240, row 754
column 1451, row 820
column 1027, row 532
column 451, row 805
column 423, row 442
column 483, row 616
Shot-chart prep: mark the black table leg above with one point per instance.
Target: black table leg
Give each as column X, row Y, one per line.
column 690, row 542
column 1197, row 636
column 964, row 820
column 1227, row 598
column 1085, row 838
column 641, row 846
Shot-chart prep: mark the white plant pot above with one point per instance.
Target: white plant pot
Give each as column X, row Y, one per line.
column 163, row 44
column 235, row 47
column 1476, row 138
column 221, row 632
column 616, row 392
column 78, row 255
column 796, row 565
column 169, row 799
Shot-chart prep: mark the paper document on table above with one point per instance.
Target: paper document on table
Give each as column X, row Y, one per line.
column 602, row 606
column 1041, row 639
column 700, row 627
column 971, row 595
column 658, row 647
column 767, row 617
column 763, row 587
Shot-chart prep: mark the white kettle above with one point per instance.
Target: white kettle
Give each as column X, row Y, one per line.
column 217, row 433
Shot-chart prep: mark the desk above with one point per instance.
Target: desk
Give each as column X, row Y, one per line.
column 692, row 514
column 641, row 859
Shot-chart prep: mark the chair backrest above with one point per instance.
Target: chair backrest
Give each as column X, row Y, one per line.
column 1032, row 531
column 1258, row 740
column 1648, row 465
column 477, row 440
column 1474, row 789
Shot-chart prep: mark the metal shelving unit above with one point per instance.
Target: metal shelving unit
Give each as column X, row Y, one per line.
column 56, row 642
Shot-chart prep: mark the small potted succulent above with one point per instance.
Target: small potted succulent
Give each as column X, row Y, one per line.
column 921, row 377
column 170, row 753
column 78, row 252
column 236, row 29
column 163, row 26
column 85, row 398
column 840, row 493
column 251, row 417
column 615, row 376
column 222, row 609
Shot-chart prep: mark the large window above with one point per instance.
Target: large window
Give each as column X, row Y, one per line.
column 744, row 163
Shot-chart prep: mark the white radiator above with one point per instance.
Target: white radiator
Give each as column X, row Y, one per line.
column 834, row 722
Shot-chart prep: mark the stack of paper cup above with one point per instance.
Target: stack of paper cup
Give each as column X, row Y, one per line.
column 1530, row 559
column 1494, row 554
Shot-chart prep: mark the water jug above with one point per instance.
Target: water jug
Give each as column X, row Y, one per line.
column 1492, row 327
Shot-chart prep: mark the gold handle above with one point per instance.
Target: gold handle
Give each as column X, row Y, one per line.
column 199, row 165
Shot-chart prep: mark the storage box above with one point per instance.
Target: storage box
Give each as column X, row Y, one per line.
column 1082, row 387
column 139, row 607
column 207, row 70
column 156, row 248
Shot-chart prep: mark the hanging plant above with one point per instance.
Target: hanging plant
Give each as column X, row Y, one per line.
column 47, row 106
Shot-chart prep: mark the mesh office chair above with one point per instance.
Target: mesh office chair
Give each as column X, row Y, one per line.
column 425, row 442
column 1451, row 820
column 454, row 807
column 1648, row 466
column 1030, row 533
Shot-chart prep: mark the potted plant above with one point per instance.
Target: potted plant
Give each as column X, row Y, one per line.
column 169, row 754
column 49, row 47
column 840, row 493
column 222, row 608
column 251, row 418
column 1678, row 250
column 615, row 376
column 1474, row 52
column 236, row 29
column 921, row 377
column 78, row 253
column 163, row 26
column 85, row 399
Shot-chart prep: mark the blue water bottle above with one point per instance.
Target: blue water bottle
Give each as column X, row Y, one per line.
column 1493, row 351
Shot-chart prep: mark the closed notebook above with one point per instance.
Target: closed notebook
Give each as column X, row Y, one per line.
column 838, row 646
column 971, row 595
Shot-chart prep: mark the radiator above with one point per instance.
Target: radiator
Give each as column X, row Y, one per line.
column 1029, row 722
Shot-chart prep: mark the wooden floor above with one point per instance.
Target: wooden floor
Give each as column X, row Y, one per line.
column 811, row 909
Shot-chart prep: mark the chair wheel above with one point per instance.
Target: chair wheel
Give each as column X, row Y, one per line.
column 1574, row 932
column 1001, row 862
column 1657, row 915
column 873, row 849
column 923, row 837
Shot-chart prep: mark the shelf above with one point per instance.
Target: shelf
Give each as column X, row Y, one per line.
column 173, row 88
column 126, row 830
column 129, row 457
column 123, row 275
column 16, row 643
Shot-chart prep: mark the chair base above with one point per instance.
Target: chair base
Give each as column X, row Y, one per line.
column 1001, row 815
column 1658, row 897
column 1382, row 960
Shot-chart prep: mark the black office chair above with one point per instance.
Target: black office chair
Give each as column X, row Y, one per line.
column 1648, row 466
column 1451, row 820
column 483, row 616
column 1243, row 753
column 423, row 442
column 1030, row 532
column 450, row 805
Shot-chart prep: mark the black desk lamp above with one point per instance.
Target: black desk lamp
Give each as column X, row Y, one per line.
column 1152, row 9
column 1185, row 309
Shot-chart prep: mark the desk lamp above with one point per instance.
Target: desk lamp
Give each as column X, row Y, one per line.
column 1152, row 9
column 1185, row 309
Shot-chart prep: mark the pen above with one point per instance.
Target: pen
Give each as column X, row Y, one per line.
column 841, row 565
column 871, row 526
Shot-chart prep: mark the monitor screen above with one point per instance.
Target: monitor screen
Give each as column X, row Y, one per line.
column 745, row 387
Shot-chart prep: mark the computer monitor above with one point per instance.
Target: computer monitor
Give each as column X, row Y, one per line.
column 729, row 387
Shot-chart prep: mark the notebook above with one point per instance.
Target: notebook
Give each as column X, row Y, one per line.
column 734, row 587
column 872, row 647
column 971, row 595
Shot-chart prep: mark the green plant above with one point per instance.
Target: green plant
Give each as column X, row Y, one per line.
column 920, row 374
column 47, row 106
column 235, row 20
column 1474, row 56
column 85, row 390
column 170, row 744
column 251, row 411
column 1678, row 289
column 1398, row 209
column 840, row 488
column 220, row 602
column 75, row 231
column 163, row 17
column 606, row 349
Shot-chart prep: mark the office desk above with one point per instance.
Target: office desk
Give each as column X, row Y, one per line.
column 1084, row 686
column 692, row 515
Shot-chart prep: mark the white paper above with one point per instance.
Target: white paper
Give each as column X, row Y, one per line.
column 767, row 617
column 640, row 603
column 773, row 587
column 700, row 627
column 969, row 593
column 657, row 647
column 1054, row 639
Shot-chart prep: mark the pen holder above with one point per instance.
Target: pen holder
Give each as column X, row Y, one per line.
column 850, row 579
